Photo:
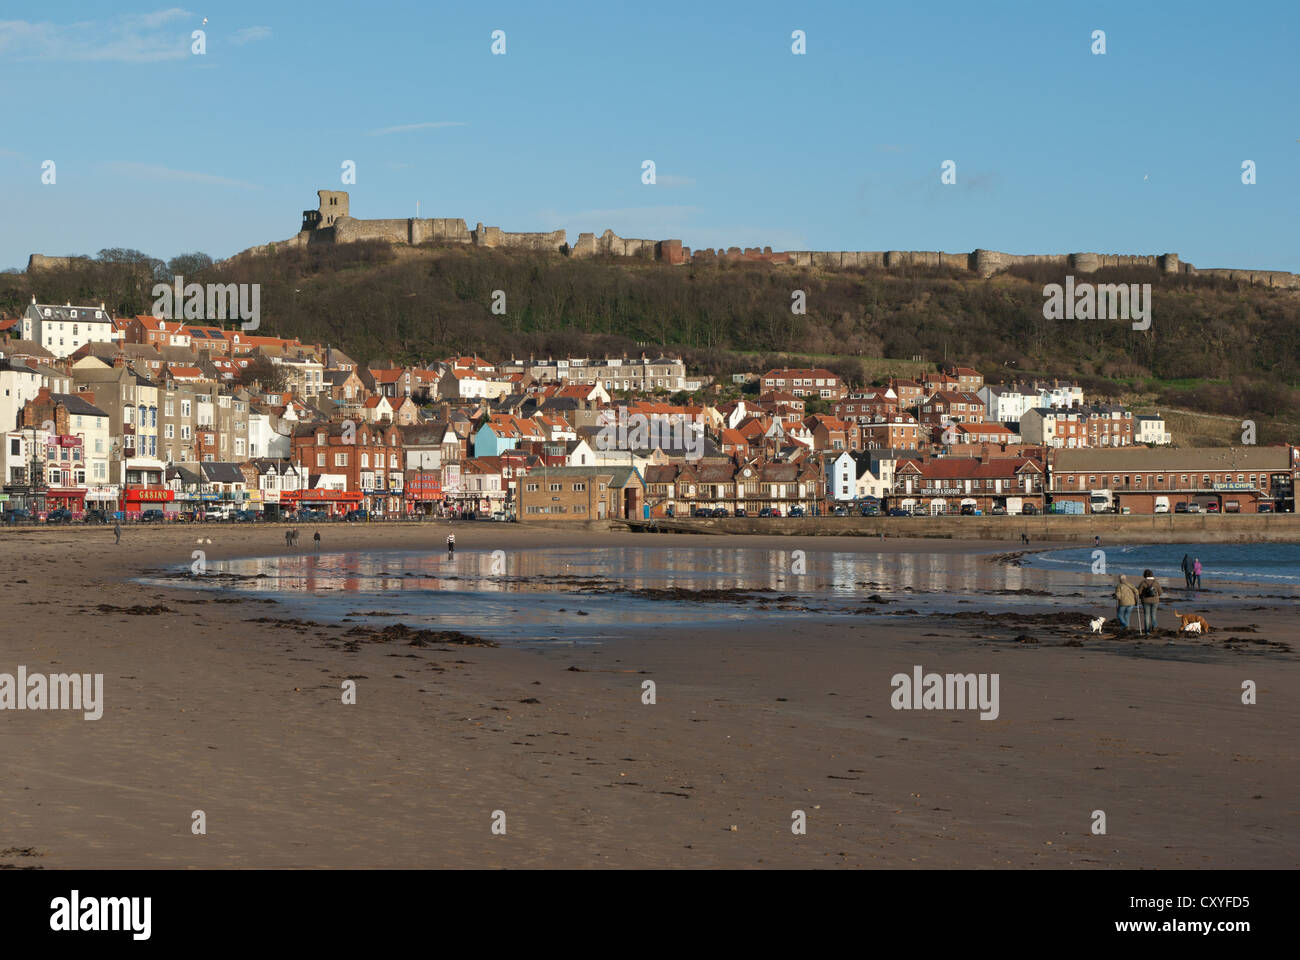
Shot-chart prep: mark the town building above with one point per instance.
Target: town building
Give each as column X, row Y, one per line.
column 1143, row 480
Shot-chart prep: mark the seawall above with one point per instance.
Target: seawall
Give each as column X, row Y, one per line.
column 1164, row 528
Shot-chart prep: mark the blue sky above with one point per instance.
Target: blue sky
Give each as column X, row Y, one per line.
column 841, row 148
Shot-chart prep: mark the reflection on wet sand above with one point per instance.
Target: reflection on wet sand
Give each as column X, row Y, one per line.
column 830, row 574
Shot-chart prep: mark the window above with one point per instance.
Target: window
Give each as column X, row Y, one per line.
column 340, row 459
column 185, row 408
column 320, row 459
column 579, row 487
column 169, row 432
column 185, row 431
column 531, row 487
column 555, row 488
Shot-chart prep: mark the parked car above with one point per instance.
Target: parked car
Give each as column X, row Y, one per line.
column 95, row 516
column 352, row 516
column 152, row 516
column 870, row 510
column 998, row 510
column 1029, row 510
column 899, row 512
column 796, row 512
column 721, row 513
column 17, row 516
column 245, row 516
column 1180, row 507
column 1264, row 508
column 740, row 512
column 841, row 511
column 59, row 516
column 1193, row 508
column 1211, row 508
column 770, row 512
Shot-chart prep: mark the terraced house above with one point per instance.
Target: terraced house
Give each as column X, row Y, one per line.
column 966, row 484
column 680, row 489
column 803, row 382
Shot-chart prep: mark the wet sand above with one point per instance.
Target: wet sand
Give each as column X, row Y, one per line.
column 205, row 710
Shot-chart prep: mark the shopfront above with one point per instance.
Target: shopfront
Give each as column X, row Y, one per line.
column 423, row 492
column 138, row 499
column 333, row 503
column 102, row 496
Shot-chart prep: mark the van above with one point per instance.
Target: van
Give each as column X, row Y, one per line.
column 1231, row 506
column 1162, row 504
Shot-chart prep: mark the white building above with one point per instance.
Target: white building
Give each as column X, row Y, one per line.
column 1004, row 404
column 1151, row 429
column 268, row 436
column 855, row 474
column 62, row 330
column 18, row 384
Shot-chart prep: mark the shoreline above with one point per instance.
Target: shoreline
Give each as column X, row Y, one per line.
column 205, row 708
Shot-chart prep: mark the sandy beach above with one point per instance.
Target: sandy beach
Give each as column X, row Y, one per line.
column 207, row 711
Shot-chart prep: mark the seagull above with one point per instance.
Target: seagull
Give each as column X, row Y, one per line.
column 1146, row 176
column 205, row 21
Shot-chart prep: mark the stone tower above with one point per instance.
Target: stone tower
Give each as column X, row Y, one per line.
column 333, row 205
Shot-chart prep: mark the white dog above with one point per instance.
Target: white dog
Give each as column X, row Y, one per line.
column 1096, row 624
column 1192, row 627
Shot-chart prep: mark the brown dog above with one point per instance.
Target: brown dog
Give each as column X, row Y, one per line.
column 1183, row 621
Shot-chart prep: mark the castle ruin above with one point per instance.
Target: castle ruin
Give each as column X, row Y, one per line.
column 332, row 222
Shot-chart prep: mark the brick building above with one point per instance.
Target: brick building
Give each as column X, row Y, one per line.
column 368, row 456
column 1232, row 479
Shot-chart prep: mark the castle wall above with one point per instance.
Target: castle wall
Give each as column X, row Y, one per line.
column 556, row 240
column 983, row 263
column 589, row 245
column 350, row 230
column 39, row 261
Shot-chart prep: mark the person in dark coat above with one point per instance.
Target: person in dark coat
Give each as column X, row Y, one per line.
column 1149, row 594
column 1187, row 569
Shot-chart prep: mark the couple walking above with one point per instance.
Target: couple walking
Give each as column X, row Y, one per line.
column 1192, row 571
column 1129, row 597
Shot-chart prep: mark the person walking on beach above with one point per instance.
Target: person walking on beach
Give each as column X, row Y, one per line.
column 1096, row 540
column 1149, row 594
column 316, row 537
column 1196, row 573
column 451, row 544
column 1126, row 600
column 117, row 533
column 1187, row 569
